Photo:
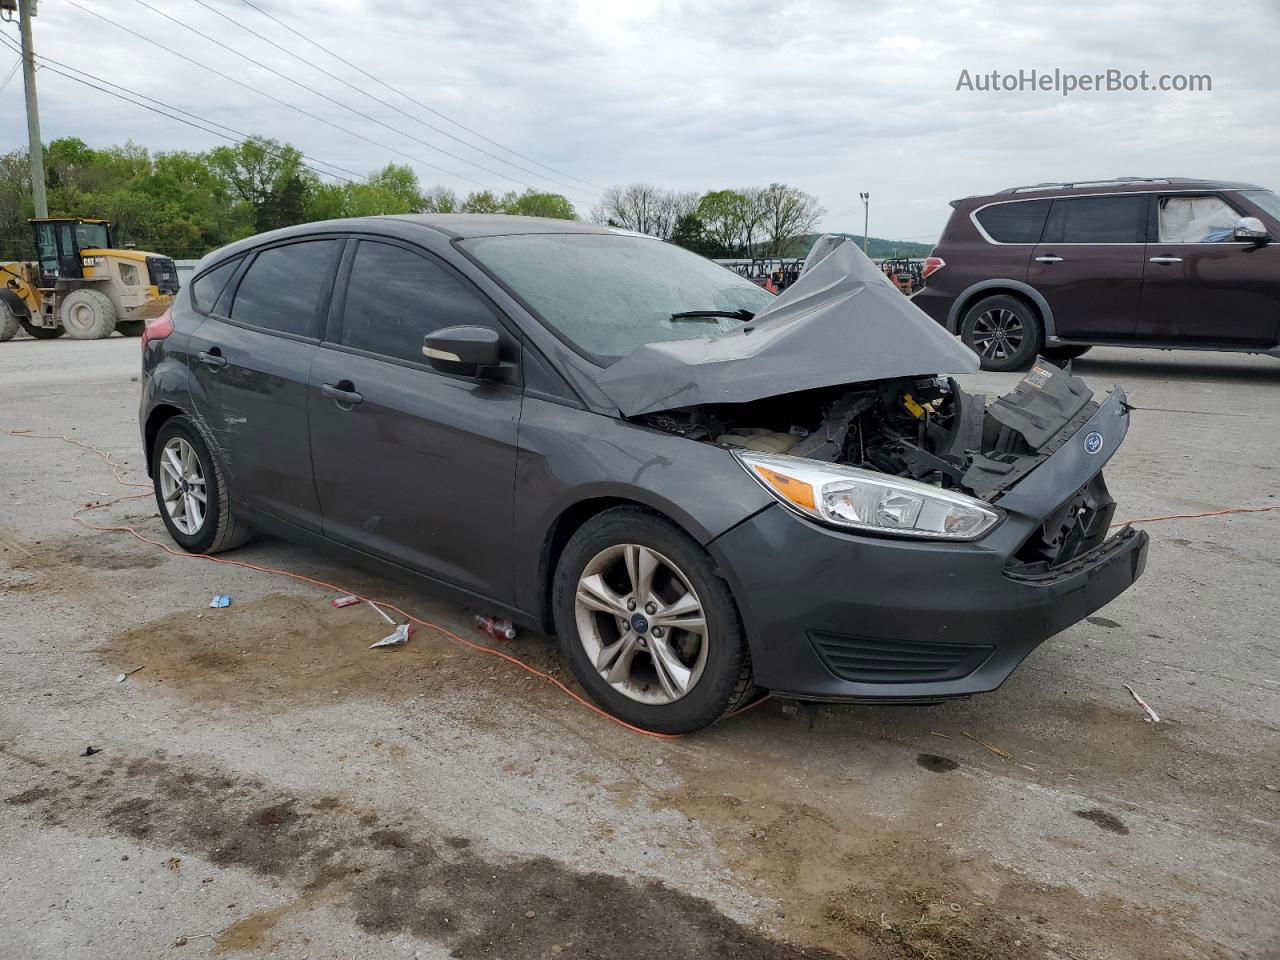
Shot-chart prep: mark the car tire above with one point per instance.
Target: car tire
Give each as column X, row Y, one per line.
column 1005, row 332
column 212, row 528
column 88, row 315
column 40, row 333
column 131, row 328
column 715, row 666
column 1063, row 354
column 9, row 325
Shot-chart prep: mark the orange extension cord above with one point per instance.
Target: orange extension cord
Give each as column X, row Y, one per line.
column 116, row 469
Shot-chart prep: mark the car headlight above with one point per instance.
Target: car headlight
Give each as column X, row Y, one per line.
column 864, row 500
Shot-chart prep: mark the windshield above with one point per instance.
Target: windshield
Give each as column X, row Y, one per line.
column 1266, row 199
column 91, row 236
column 610, row 294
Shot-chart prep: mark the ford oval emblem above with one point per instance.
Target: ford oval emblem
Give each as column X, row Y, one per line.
column 1093, row 442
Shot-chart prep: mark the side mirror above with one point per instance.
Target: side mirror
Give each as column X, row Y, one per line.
column 465, row 351
column 1249, row 228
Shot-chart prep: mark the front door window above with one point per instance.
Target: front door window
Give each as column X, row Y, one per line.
column 1196, row 220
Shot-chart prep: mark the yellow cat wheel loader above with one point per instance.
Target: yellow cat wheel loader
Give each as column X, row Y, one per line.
column 81, row 285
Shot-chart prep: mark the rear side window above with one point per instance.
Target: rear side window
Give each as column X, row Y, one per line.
column 283, row 287
column 209, row 286
column 1098, row 220
column 395, row 297
column 1015, row 222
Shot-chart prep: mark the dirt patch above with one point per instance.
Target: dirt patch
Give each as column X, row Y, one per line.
column 401, row 878
column 1103, row 622
column 935, row 763
column 282, row 652
column 849, row 882
column 1107, row 821
column 85, row 551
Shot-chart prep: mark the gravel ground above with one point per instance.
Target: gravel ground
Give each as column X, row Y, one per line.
column 268, row 786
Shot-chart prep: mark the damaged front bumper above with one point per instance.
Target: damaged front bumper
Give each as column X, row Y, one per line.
column 833, row 615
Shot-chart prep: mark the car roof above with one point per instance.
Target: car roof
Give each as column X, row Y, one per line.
column 1115, row 185
column 466, row 225
column 452, row 225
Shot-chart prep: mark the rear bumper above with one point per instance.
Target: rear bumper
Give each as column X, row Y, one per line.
column 831, row 616
column 935, row 303
column 150, row 309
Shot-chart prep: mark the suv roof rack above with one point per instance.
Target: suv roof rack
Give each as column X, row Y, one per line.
column 1053, row 185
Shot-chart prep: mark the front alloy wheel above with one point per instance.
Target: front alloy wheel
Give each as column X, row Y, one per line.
column 641, row 624
column 648, row 623
column 183, row 490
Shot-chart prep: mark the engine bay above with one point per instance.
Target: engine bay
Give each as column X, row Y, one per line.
column 923, row 428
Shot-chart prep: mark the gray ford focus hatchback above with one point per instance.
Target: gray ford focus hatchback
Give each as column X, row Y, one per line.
column 702, row 489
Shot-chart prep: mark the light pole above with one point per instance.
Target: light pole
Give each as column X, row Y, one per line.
column 26, row 10
column 866, row 218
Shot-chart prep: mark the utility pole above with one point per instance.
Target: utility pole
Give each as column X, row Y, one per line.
column 27, row 10
column 866, row 218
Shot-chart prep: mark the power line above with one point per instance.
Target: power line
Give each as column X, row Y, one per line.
column 215, row 123
column 392, row 106
column 359, row 113
column 424, row 106
column 136, row 103
column 262, row 93
column 11, row 73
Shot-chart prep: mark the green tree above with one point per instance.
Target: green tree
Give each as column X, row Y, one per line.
column 267, row 176
column 691, row 233
column 531, row 203
column 482, row 202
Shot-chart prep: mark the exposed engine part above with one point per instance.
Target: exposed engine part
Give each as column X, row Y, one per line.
column 927, row 429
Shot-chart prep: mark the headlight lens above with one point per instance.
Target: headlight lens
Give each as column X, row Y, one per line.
column 865, row 500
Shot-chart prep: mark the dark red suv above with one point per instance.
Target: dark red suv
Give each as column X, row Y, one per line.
column 1056, row 268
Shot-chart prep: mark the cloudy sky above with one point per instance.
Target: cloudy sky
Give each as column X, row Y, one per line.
column 688, row 95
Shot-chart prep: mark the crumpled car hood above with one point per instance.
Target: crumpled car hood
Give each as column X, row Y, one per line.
column 842, row 322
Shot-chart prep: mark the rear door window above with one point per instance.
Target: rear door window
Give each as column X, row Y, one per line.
column 285, row 286
column 1120, row 219
column 395, row 297
column 1195, row 220
column 1020, row 222
column 206, row 288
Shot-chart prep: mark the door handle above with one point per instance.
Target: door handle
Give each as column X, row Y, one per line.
column 343, row 392
column 1048, row 259
column 212, row 358
column 1166, row 260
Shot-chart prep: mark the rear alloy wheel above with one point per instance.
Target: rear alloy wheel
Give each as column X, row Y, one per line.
column 40, row 333
column 1004, row 332
column 88, row 315
column 647, row 624
column 193, row 499
column 9, row 324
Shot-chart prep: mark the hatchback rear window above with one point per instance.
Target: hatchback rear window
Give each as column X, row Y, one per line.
column 1019, row 222
column 1120, row 219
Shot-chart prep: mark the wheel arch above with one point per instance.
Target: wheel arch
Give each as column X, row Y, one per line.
column 569, row 521
column 161, row 414
column 996, row 287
